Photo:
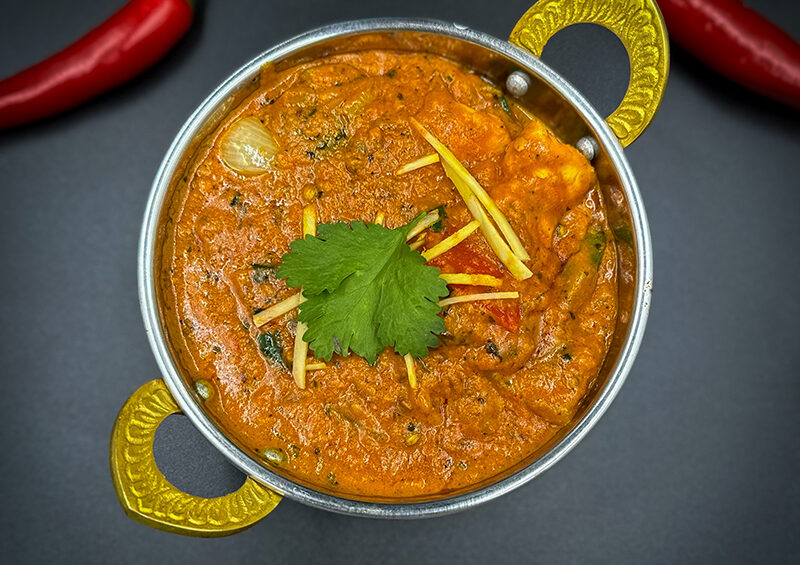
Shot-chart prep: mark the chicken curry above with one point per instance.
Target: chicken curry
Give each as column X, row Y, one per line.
column 452, row 234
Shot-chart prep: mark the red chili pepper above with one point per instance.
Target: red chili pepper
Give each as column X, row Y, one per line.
column 127, row 43
column 739, row 43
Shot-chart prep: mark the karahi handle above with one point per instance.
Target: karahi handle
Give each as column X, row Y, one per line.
column 640, row 27
column 148, row 497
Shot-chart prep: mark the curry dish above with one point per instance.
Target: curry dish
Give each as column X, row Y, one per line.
column 349, row 144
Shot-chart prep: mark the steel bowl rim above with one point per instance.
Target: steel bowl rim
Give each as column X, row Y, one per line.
column 310, row 496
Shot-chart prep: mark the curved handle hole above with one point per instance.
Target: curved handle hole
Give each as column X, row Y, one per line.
column 192, row 464
column 594, row 61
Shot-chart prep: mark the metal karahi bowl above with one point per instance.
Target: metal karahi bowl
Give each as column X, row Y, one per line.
column 144, row 492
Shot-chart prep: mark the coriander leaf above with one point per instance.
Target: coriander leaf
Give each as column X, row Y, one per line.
column 321, row 263
column 365, row 290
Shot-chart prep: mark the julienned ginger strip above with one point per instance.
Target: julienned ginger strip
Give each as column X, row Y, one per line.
column 300, row 346
column 511, row 254
column 481, row 296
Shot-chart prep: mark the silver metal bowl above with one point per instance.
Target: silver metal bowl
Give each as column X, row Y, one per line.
column 548, row 96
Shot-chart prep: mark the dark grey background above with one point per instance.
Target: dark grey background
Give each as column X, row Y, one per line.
column 697, row 461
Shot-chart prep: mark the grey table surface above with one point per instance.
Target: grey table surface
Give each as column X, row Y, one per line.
column 696, row 461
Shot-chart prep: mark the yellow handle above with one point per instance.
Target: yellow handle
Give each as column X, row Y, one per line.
column 148, row 497
column 640, row 27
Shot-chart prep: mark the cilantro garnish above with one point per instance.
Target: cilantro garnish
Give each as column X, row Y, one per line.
column 365, row 290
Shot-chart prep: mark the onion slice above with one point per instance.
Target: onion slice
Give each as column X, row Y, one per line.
column 248, row 147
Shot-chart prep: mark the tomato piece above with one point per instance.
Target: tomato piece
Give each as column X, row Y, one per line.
column 507, row 317
column 463, row 259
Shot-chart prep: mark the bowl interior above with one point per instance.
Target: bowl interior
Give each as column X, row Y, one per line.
column 549, row 97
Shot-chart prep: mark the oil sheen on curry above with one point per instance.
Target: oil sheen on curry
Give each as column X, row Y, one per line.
column 511, row 216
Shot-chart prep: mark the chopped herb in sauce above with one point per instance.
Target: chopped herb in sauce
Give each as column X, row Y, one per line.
column 596, row 238
column 271, row 347
column 437, row 226
column 623, row 233
column 329, row 142
column 503, row 102
column 491, row 349
column 262, row 273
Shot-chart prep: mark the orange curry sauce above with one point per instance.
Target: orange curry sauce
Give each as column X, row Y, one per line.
column 506, row 375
